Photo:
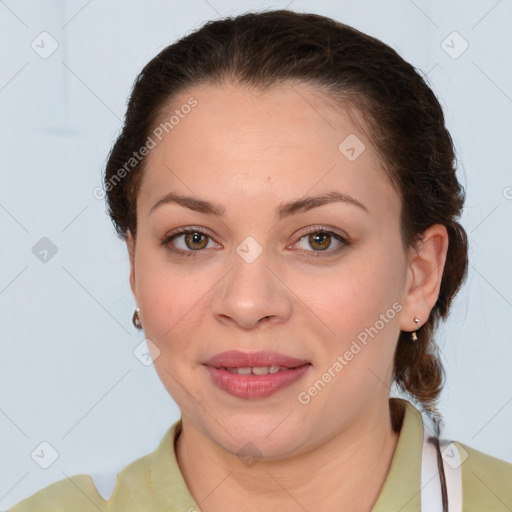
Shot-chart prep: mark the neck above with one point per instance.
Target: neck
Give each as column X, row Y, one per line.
column 353, row 476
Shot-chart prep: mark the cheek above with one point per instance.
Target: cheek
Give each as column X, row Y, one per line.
column 357, row 310
column 170, row 313
column 172, row 299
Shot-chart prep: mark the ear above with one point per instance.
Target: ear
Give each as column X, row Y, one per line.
column 130, row 244
column 424, row 275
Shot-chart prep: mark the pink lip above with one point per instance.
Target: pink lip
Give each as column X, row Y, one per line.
column 237, row 359
column 254, row 386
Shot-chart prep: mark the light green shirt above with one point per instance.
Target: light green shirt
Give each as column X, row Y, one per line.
column 154, row 482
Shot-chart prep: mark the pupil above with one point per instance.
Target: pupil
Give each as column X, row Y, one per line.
column 321, row 239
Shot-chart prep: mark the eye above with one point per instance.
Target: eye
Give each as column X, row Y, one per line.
column 322, row 240
column 192, row 241
column 188, row 242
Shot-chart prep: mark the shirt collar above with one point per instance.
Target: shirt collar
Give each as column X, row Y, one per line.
column 401, row 491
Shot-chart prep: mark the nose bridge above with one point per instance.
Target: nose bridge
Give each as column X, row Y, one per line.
column 251, row 291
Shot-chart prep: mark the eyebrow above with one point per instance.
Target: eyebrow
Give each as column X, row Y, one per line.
column 283, row 210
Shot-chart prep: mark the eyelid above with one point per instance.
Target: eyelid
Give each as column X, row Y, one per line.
column 323, row 229
column 188, row 229
column 343, row 239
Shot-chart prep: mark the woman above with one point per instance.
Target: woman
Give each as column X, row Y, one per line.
column 286, row 189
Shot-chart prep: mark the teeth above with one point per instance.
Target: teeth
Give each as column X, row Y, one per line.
column 260, row 370
column 256, row 370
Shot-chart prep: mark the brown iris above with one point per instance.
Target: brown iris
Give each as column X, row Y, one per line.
column 319, row 240
column 193, row 240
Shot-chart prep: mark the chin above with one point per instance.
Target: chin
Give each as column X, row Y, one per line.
column 256, row 440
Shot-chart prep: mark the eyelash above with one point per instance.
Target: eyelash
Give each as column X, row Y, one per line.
column 344, row 242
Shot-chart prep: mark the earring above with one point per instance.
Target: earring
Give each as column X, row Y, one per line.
column 136, row 319
column 413, row 335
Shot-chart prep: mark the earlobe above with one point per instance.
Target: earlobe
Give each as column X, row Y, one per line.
column 425, row 272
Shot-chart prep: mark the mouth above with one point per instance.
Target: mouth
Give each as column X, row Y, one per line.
column 255, row 375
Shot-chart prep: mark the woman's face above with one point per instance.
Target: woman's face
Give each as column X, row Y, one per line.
column 259, row 278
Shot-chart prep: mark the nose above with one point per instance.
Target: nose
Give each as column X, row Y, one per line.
column 251, row 294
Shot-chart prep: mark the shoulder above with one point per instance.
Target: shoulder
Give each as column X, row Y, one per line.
column 85, row 493
column 72, row 493
column 486, row 480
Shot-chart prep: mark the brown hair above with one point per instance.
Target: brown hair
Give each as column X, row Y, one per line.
column 405, row 121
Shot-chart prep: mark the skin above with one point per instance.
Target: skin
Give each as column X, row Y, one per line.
column 250, row 152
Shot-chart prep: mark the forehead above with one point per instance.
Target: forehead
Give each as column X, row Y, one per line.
column 285, row 141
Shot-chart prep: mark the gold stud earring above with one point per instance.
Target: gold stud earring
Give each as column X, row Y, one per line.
column 136, row 319
column 413, row 335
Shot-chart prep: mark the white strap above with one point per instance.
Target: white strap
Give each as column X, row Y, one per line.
column 453, row 472
column 431, row 494
column 431, row 497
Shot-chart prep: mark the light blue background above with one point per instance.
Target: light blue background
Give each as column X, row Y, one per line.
column 69, row 375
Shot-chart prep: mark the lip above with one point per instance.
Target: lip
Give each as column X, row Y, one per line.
column 254, row 386
column 237, row 359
